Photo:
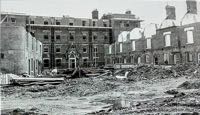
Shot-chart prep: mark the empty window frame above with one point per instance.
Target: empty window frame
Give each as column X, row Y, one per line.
column 167, row 36
column 147, row 58
column 46, row 62
column 46, row 49
column 110, row 49
column 32, row 22
column 133, row 45
column 84, row 50
column 137, row 25
column 189, row 57
column 166, row 58
column 13, row 20
column 198, row 58
column 57, row 37
column 71, row 23
column 58, row 62
column 46, row 37
column 190, row 38
column 33, row 43
column 83, row 23
column 94, row 23
column 85, row 60
column 95, row 59
column 84, row 37
column 2, row 55
column 122, row 24
column 58, row 50
column 94, row 37
column 46, row 22
column 126, row 24
column 40, row 50
column 57, row 22
column 71, row 36
column 36, row 45
column 189, row 32
column 120, row 47
column 95, row 49
column 105, row 37
column 148, row 43
column 32, row 64
column 104, row 24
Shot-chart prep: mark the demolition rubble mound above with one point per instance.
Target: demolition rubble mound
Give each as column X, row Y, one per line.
column 148, row 72
column 95, row 85
column 190, row 85
column 71, row 87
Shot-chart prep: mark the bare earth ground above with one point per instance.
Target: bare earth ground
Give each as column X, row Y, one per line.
column 106, row 95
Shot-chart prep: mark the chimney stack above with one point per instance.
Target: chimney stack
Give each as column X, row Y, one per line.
column 191, row 6
column 95, row 14
column 128, row 12
column 170, row 12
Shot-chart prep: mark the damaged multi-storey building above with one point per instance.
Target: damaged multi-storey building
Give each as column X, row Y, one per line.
column 71, row 42
column 170, row 43
column 30, row 44
column 67, row 42
column 20, row 51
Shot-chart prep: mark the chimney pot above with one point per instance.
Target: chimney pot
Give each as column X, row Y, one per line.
column 170, row 12
column 191, row 6
column 95, row 14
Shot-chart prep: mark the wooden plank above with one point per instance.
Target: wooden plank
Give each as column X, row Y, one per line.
column 38, row 79
column 39, row 83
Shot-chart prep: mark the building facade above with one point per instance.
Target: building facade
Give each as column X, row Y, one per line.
column 170, row 43
column 70, row 42
column 20, row 52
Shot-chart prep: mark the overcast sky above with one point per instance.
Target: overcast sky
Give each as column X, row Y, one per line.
column 151, row 11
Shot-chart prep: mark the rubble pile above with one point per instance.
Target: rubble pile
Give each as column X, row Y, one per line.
column 185, row 69
column 71, row 87
column 86, row 86
column 18, row 111
column 148, row 72
column 190, row 85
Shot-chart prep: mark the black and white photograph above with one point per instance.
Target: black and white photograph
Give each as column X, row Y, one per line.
column 100, row 57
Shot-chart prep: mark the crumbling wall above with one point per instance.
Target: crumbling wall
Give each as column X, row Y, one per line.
column 13, row 44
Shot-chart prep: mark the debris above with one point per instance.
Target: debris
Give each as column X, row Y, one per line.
column 150, row 72
column 144, row 96
column 181, row 94
column 122, row 76
column 172, row 92
column 54, row 71
column 190, row 85
column 36, row 81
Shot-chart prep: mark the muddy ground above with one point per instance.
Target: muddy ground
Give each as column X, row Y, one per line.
column 147, row 90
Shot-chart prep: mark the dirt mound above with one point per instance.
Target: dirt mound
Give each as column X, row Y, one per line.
column 190, row 85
